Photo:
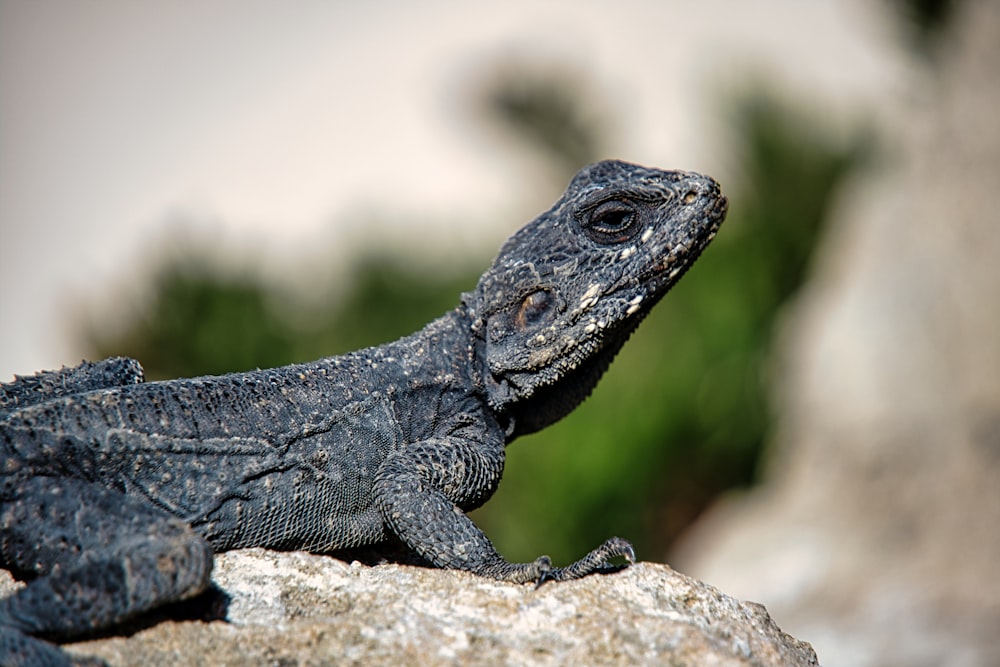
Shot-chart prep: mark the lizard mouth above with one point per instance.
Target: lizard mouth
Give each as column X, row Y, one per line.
column 664, row 274
column 636, row 297
column 653, row 283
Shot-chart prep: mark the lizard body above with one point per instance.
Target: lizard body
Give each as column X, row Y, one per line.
column 115, row 493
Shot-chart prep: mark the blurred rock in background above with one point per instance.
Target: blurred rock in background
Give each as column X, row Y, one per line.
column 877, row 533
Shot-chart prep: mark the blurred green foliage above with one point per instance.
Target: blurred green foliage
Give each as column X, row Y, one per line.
column 200, row 320
column 680, row 417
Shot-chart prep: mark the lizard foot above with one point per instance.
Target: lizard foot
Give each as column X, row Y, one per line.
column 595, row 561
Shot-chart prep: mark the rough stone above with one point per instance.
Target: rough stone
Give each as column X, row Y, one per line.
column 299, row 609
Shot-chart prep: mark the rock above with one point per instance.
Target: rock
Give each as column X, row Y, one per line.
column 299, row 609
column 877, row 533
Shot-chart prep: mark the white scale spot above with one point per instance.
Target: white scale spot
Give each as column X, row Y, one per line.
column 646, row 234
column 633, row 305
column 591, row 296
column 627, row 252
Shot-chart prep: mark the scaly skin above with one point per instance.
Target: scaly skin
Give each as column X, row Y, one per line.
column 115, row 493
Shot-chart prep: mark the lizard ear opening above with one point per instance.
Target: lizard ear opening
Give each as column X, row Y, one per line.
column 537, row 307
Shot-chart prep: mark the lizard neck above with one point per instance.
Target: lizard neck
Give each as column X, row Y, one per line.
column 550, row 403
column 519, row 414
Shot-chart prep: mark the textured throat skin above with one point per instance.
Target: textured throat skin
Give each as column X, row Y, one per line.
column 114, row 492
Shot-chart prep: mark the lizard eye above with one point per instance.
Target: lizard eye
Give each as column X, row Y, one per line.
column 534, row 308
column 610, row 222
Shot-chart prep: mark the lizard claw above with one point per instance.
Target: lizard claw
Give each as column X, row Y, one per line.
column 543, row 565
column 595, row 561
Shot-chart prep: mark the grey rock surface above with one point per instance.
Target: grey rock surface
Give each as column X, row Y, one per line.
column 300, row 609
column 877, row 535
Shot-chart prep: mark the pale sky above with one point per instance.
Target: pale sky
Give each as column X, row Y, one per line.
column 269, row 124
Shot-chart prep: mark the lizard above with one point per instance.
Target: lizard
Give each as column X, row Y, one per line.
column 115, row 492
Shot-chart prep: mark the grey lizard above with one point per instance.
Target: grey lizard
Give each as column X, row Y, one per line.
column 115, row 492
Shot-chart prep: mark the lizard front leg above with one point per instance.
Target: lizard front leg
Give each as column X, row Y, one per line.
column 421, row 491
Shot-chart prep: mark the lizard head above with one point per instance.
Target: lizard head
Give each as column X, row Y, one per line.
column 567, row 290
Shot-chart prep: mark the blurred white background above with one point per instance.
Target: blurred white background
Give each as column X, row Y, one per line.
column 268, row 124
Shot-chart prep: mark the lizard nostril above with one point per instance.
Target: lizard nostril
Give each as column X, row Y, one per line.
column 690, row 197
